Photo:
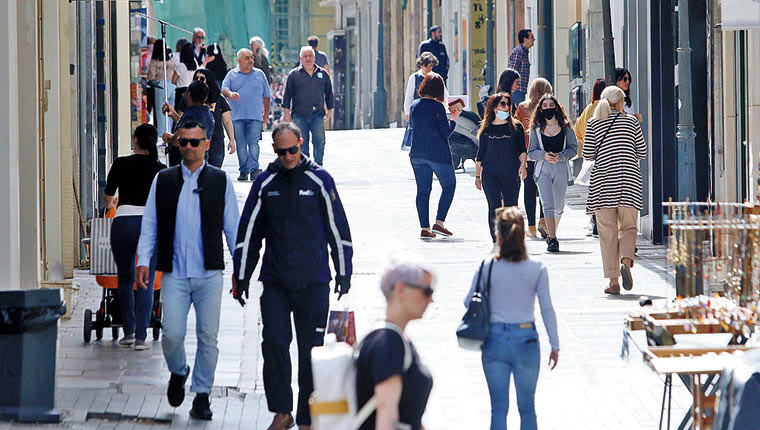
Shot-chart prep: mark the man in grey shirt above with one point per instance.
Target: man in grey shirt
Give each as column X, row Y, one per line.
column 321, row 57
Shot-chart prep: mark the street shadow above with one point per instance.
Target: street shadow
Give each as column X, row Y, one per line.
column 631, row 297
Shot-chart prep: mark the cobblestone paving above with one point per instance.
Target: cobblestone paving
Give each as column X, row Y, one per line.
column 102, row 386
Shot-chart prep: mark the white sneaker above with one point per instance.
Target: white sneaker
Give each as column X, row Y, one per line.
column 127, row 341
column 142, row 345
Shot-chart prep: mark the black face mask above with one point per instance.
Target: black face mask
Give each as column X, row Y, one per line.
column 549, row 113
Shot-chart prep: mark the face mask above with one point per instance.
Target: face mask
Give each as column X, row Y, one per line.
column 502, row 114
column 549, row 113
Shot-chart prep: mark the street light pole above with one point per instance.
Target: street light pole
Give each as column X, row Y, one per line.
column 687, row 184
column 379, row 96
column 609, row 43
column 489, row 66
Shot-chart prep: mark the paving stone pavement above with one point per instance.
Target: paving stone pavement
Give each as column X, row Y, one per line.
column 102, row 386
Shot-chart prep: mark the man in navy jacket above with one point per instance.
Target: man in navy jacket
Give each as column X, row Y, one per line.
column 294, row 206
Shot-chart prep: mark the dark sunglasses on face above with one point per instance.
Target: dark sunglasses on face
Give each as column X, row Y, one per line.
column 503, row 104
column 282, row 151
column 625, row 79
column 200, row 78
column 426, row 289
column 193, row 142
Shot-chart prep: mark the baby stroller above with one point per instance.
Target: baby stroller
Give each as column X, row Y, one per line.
column 464, row 141
column 108, row 314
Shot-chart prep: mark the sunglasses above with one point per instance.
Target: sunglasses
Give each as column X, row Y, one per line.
column 193, row 142
column 426, row 289
column 503, row 104
column 626, row 79
column 282, row 151
column 200, row 37
column 200, row 78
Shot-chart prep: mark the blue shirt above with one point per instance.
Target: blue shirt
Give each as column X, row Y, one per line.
column 188, row 261
column 253, row 88
column 200, row 114
column 431, row 130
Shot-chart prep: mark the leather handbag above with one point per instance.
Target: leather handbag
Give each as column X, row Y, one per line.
column 473, row 330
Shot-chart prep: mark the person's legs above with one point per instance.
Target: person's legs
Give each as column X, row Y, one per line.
column 125, row 233
column 559, row 189
column 216, row 153
column 498, row 372
column 607, row 224
column 627, row 231
column 317, row 128
column 304, row 124
column 254, row 135
column 546, row 193
column 207, row 300
column 310, row 309
column 510, row 189
column 527, row 360
column 275, row 348
column 175, row 300
column 530, row 192
column 241, row 138
column 144, row 303
column 423, row 175
column 158, row 104
column 445, row 174
column 490, row 184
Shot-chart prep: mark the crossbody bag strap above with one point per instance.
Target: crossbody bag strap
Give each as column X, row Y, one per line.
column 488, row 279
column 480, row 273
column 596, row 148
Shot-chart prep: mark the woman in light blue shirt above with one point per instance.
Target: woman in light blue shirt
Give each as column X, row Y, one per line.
column 512, row 346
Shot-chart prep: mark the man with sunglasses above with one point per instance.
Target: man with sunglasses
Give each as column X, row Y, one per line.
column 194, row 111
column 188, row 208
column 294, row 206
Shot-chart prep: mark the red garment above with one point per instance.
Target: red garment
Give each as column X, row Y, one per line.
column 523, row 116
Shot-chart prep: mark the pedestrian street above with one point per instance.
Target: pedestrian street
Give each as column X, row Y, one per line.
column 591, row 388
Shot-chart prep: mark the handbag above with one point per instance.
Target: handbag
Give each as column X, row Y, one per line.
column 584, row 176
column 343, row 325
column 473, row 330
column 101, row 256
column 407, row 142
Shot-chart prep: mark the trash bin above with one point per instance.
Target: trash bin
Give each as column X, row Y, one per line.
column 28, row 334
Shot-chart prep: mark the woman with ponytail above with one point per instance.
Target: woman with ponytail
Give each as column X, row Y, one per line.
column 500, row 163
column 513, row 281
column 132, row 176
column 615, row 143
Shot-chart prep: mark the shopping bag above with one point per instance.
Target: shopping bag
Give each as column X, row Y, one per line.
column 101, row 256
column 407, row 142
column 342, row 324
column 584, row 176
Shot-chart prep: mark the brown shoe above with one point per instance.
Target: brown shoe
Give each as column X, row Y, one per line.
column 531, row 231
column 542, row 228
column 442, row 231
column 281, row 422
column 612, row 289
column 427, row 235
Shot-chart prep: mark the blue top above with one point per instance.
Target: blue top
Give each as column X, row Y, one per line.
column 188, row 259
column 200, row 114
column 252, row 87
column 513, row 291
column 430, row 131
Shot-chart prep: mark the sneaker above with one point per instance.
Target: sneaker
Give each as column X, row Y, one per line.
column 255, row 173
column 201, row 407
column 442, row 231
column 612, row 289
column 142, row 345
column 281, row 422
column 176, row 391
column 625, row 273
column 595, row 232
column 127, row 341
column 542, row 228
column 243, row 177
column 427, row 235
column 590, row 229
column 531, row 231
column 553, row 245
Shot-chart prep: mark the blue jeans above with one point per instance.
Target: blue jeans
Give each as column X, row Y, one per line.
column 512, row 350
column 518, row 97
column 160, row 117
column 205, row 294
column 247, row 135
column 314, row 125
column 423, row 174
column 134, row 305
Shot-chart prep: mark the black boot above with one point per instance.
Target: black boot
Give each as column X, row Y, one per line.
column 176, row 390
column 201, row 407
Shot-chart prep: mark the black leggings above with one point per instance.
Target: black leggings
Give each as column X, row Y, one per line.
column 530, row 192
column 496, row 189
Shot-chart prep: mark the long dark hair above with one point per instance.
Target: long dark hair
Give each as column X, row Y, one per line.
column 539, row 120
column 506, row 80
column 490, row 112
column 145, row 137
column 218, row 66
column 620, row 73
column 599, row 86
column 187, row 57
column 213, row 87
column 510, row 227
column 158, row 50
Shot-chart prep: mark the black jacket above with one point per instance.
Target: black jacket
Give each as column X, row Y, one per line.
column 439, row 50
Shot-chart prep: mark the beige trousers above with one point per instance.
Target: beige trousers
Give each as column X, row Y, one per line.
column 617, row 237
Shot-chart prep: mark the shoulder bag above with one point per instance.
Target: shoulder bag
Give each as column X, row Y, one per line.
column 473, row 330
column 584, row 176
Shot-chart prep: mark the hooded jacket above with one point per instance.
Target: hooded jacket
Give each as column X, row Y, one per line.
column 298, row 212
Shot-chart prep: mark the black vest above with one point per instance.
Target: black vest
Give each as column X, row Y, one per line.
column 212, row 186
column 417, row 84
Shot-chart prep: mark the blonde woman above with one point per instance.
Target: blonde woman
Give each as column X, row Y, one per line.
column 538, row 87
column 616, row 144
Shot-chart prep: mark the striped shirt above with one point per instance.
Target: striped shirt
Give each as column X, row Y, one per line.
column 616, row 177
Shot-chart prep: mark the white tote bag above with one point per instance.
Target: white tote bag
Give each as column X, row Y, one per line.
column 584, row 176
column 101, row 256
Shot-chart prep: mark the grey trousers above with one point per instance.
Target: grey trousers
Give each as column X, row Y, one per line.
column 552, row 185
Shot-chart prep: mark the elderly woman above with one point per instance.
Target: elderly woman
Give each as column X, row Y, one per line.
column 616, row 144
column 388, row 365
column 512, row 346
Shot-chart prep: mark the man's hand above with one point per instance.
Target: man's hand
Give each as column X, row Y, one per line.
column 265, row 118
column 238, row 290
column 286, row 115
column 342, row 285
column 231, row 146
column 234, row 96
column 327, row 114
column 523, row 171
column 142, row 274
column 166, row 136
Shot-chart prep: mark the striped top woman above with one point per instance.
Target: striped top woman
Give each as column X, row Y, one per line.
column 616, row 144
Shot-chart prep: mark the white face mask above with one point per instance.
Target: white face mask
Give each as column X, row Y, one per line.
column 502, row 114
